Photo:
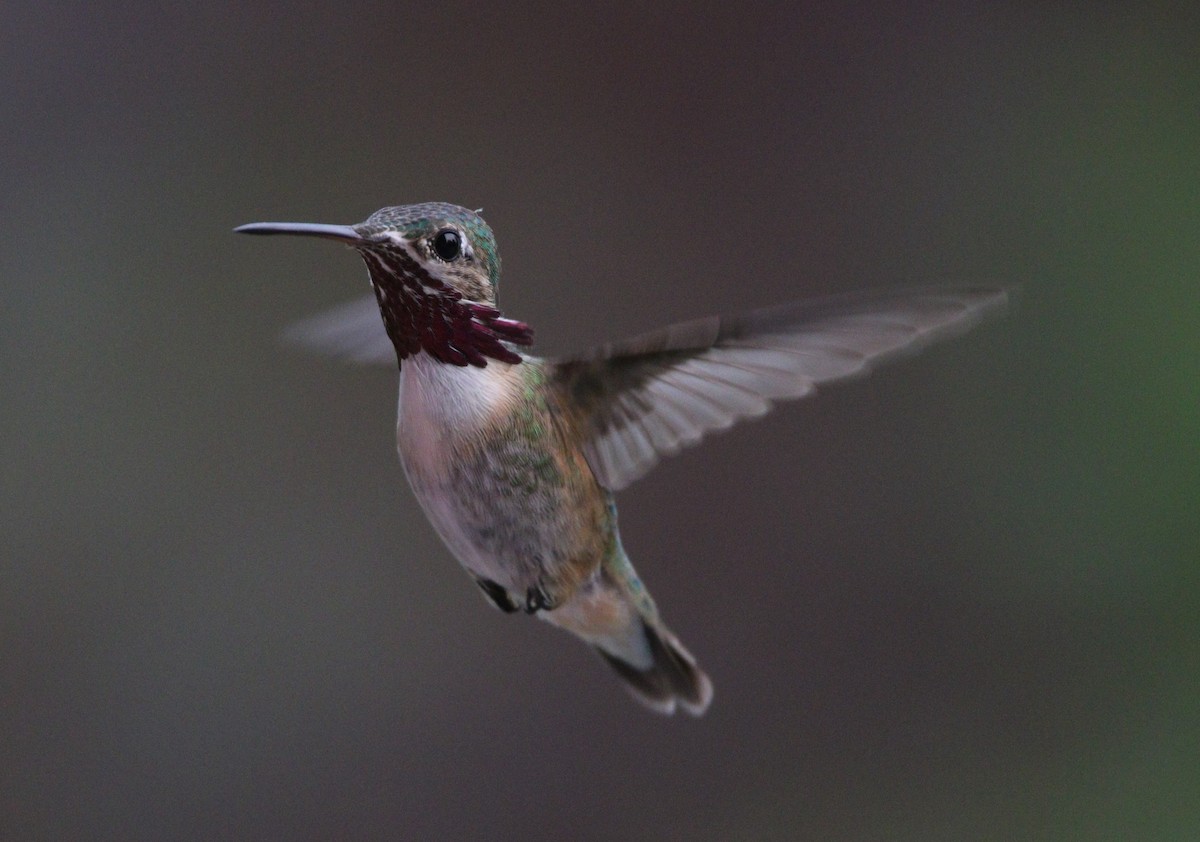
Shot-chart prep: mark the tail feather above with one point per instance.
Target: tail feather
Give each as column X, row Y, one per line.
column 673, row 677
column 615, row 614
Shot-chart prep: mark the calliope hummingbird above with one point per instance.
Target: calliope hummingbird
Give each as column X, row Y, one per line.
column 515, row 459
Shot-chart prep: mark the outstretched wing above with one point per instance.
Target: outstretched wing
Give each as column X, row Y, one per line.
column 353, row 330
column 652, row 395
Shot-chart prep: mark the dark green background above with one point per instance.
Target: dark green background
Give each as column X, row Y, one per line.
column 956, row 600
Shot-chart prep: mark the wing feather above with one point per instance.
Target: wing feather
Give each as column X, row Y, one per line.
column 353, row 331
column 654, row 394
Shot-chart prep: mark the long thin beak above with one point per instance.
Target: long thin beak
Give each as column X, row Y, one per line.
column 304, row 229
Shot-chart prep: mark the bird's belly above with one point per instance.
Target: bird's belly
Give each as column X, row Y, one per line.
column 452, row 518
column 511, row 500
column 515, row 521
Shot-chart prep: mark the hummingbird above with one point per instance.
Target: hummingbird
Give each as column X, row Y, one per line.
column 516, row 459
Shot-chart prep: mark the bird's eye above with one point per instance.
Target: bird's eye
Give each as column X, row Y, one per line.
column 447, row 244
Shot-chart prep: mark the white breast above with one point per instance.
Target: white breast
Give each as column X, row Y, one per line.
column 441, row 408
column 440, row 402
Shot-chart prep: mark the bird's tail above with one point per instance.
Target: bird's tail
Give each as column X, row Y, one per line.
column 671, row 678
column 614, row 613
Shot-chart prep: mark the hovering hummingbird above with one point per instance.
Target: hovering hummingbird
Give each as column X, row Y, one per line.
column 515, row 459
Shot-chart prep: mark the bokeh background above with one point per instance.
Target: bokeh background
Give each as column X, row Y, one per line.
column 955, row 600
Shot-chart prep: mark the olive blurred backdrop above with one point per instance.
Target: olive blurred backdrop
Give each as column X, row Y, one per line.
column 955, row 600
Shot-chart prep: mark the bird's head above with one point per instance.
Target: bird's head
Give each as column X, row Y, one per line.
column 435, row 270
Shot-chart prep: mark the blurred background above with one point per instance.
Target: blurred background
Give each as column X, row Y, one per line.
column 954, row 600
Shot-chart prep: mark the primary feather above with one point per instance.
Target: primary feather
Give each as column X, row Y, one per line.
column 652, row 395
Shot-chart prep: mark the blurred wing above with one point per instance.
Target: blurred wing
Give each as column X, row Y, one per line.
column 353, row 331
column 650, row 396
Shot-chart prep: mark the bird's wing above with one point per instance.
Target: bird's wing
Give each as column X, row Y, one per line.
column 353, row 330
column 652, row 395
